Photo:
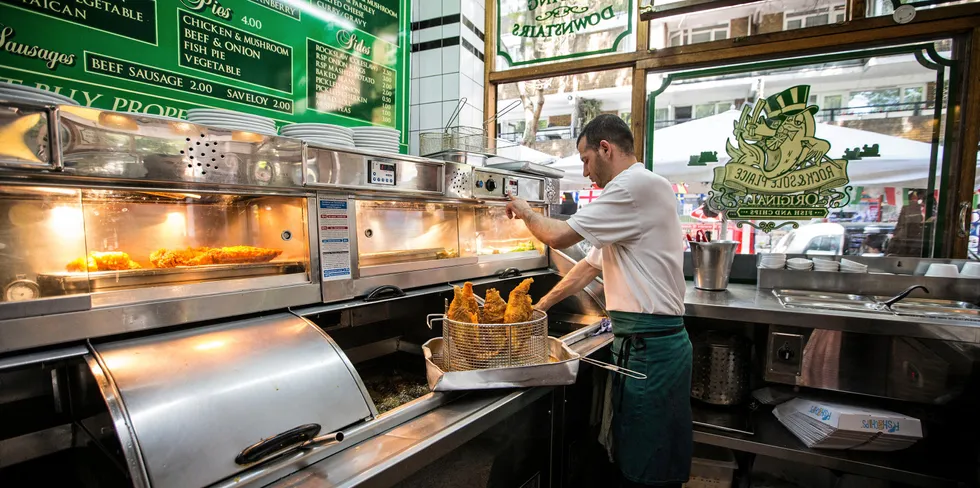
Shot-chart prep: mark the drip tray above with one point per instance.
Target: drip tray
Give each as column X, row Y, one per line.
column 394, row 379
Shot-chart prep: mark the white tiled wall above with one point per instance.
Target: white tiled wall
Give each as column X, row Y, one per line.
column 444, row 68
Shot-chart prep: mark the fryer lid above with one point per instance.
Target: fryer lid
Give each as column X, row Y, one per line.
column 196, row 398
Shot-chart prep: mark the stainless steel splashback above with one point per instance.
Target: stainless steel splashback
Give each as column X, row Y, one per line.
column 357, row 169
column 187, row 403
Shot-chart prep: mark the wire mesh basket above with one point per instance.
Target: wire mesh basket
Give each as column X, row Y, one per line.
column 487, row 346
column 460, row 138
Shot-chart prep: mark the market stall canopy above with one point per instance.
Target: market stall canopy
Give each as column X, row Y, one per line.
column 902, row 162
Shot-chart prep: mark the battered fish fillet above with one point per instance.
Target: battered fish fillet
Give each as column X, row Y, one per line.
column 464, row 307
column 102, row 261
column 243, row 254
column 200, row 256
column 171, row 258
column 519, row 307
column 493, row 308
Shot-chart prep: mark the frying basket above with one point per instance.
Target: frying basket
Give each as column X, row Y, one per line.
column 487, row 346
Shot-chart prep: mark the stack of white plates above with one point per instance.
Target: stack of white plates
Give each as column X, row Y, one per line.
column 26, row 94
column 377, row 138
column 227, row 119
column 325, row 134
column 848, row 266
column 799, row 264
column 772, row 261
column 825, row 425
column 825, row 265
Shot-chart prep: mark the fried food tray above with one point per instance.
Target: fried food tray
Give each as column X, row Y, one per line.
column 395, row 257
column 69, row 283
column 561, row 369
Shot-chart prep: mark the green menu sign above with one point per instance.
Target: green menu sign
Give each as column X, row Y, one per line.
column 332, row 61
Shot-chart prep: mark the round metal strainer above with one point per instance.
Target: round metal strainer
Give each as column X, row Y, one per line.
column 486, row 346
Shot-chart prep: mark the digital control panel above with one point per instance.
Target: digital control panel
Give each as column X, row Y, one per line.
column 497, row 186
column 381, row 173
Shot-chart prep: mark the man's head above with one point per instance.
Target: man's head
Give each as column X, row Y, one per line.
column 606, row 148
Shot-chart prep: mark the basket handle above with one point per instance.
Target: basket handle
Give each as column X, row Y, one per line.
column 452, row 118
column 501, row 113
column 615, row 369
column 434, row 317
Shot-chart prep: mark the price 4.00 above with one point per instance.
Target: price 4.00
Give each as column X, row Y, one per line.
column 252, row 22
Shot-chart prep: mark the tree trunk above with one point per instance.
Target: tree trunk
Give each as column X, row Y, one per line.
column 533, row 104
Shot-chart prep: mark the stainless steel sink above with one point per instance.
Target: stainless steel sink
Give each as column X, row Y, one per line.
column 914, row 307
column 826, row 301
column 950, row 309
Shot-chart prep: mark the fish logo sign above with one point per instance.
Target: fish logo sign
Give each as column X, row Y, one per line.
column 779, row 167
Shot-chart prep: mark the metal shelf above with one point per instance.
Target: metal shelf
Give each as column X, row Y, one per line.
column 929, row 463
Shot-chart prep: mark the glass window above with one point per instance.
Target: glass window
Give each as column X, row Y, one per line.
column 815, row 20
column 704, row 110
column 888, row 197
column 569, row 103
column 530, row 31
column 886, row 7
column 741, row 20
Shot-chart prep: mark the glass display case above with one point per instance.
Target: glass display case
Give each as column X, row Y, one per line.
column 142, row 243
column 402, row 232
column 498, row 237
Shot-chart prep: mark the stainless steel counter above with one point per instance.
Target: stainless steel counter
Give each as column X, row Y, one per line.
column 746, row 303
column 385, row 459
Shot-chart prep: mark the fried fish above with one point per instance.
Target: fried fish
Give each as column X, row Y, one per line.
column 103, row 261
column 464, row 307
column 493, row 308
column 519, row 307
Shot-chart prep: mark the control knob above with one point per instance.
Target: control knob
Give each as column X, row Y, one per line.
column 491, row 185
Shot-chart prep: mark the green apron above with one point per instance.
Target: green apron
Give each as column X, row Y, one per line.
column 652, row 429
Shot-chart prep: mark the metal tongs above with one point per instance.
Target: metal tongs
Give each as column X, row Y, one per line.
column 615, row 369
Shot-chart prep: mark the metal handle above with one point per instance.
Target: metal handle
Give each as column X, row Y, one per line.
column 452, row 118
column 501, row 113
column 964, row 229
column 901, row 296
column 384, row 292
column 615, row 369
column 298, row 437
column 509, row 273
column 434, row 317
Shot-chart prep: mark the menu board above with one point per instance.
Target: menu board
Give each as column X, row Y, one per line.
column 331, row 61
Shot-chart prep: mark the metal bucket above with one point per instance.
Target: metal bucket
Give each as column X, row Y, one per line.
column 712, row 264
column 721, row 365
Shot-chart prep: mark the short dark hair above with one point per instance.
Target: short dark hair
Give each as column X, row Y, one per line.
column 607, row 127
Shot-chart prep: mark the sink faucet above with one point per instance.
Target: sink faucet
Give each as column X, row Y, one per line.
column 901, row 296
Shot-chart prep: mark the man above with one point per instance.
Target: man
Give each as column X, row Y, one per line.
column 637, row 245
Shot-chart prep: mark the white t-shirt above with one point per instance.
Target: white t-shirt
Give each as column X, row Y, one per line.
column 637, row 243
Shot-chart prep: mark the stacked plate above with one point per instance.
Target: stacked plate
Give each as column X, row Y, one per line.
column 324, row 134
column 227, row 119
column 377, row 138
column 848, row 266
column 772, row 261
column 825, row 265
column 26, row 94
column 799, row 264
column 825, row 425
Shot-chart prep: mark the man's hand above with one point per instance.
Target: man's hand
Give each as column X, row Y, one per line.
column 517, row 208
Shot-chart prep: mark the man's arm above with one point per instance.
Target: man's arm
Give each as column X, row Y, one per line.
column 575, row 281
column 552, row 232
